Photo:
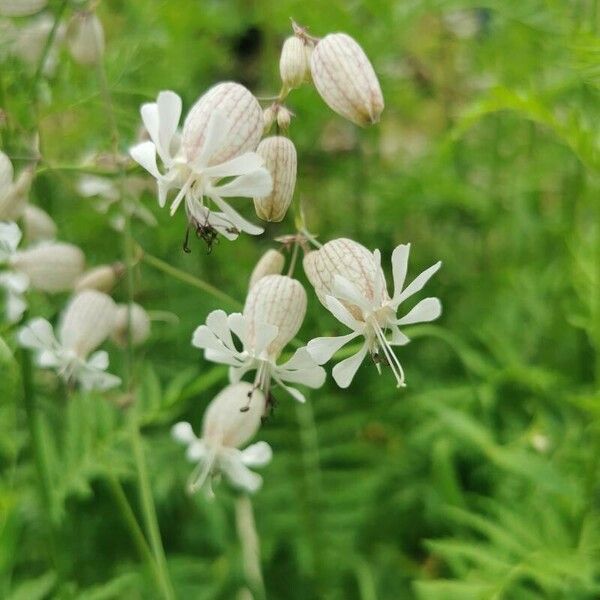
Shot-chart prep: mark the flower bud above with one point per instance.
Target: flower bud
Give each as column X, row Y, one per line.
column 225, row 423
column 269, row 117
column 280, row 159
column 21, row 8
column 270, row 263
column 38, row 224
column 140, row 325
column 50, row 266
column 102, row 278
column 87, row 321
column 345, row 79
column 350, row 260
column 244, row 116
column 85, row 37
column 13, row 195
column 284, row 117
column 293, row 63
column 275, row 300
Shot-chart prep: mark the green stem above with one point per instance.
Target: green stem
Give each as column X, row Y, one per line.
column 249, row 541
column 49, row 41
column 130, row 521
column 161, row 265
column 149, row 509
column 39, row 453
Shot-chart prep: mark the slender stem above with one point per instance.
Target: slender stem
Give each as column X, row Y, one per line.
column 161, row 265
column 293, row 259
column 250, row 543
column 47, row 46
column 130, row 520
column 149, row 509
column 41, row 464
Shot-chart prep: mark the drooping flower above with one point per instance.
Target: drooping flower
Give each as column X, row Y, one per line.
column 49, row 267
column 133, row 320
column 349, row 281
column 85, row 38
column 346, row 80
column 85, row 324
column 274, row 310
column 217, row 142
column 228, row 423
column 13, row 191
column 102, row 278
column 270, row 263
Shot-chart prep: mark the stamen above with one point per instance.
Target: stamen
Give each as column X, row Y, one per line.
column 195, row 481
column 389, row 354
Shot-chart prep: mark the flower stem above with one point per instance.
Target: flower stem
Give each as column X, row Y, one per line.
column 293, row 259
column 161, row 265
column 149, row 509
column 47, row 46
column 41, row 464
column 250, row 543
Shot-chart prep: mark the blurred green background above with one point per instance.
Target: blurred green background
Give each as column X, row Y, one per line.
column 480, row 479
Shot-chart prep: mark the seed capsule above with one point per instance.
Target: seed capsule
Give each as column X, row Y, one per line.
column 293, row 63
column 276, row 300
column 140, row 325
column 85, row 37
column 229, row 419
column 350, row 260
column 279, row 154
column 270, row 263
column 50, row 266
column 102, row 278
column 244, row 116
column 38, row 224
column 345, row 79
column 87, row 322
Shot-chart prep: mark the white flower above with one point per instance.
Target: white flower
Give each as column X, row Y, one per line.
column 228, row 423
column 85, row 38
column 270, row 263
column 49, row 267
column 218, row 141
column 133, row 318
column 349, row 281
column 86, row 322
column 274, row 310
column 13, row 192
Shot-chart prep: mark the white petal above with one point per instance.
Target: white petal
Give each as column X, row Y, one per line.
column 238, row 474
column 169, row 113
column 323, row 348
column 237, row 324
column 293, row 392
column 236, row 219
column 145, row 155
column 204, row 338
column 183, row 433
column 197, row 451
column 240, row 165
column 218, row 324
column 93, row 379
column 300, row 360
column 398, row 338
column 344, row 372
column 257, row 455
column 6, row 173
column 150, row 119
column 345, row 290
column 427, row 310
column 17, row 283
column 257, row 183
column 99, row 360
column 265, row 334
column 399, row 268
column 10, row 236
column 417, row 284
column 216, row 133
column 15, row 307
column 341, row 313
column 313, row 377
column 223, row 357
column 37, row 335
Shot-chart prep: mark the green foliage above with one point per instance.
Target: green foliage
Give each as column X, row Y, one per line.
column 480, row 479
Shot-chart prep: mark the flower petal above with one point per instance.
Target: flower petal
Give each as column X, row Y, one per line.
column 169, row 113
column 323, row 348
column 399, row 268
column 417, row 284
column 183, row 433
column 398, row 338
column 240, row 165
column 10, row 236
column 236, row 219
column 346, row 290
column 344, row 372
column 37, row 335
column 427, row 310
column 342, row 314
column 238, row 474
column 145, row 155
column 257, row 455
column 256, row 183
column 218, row 323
